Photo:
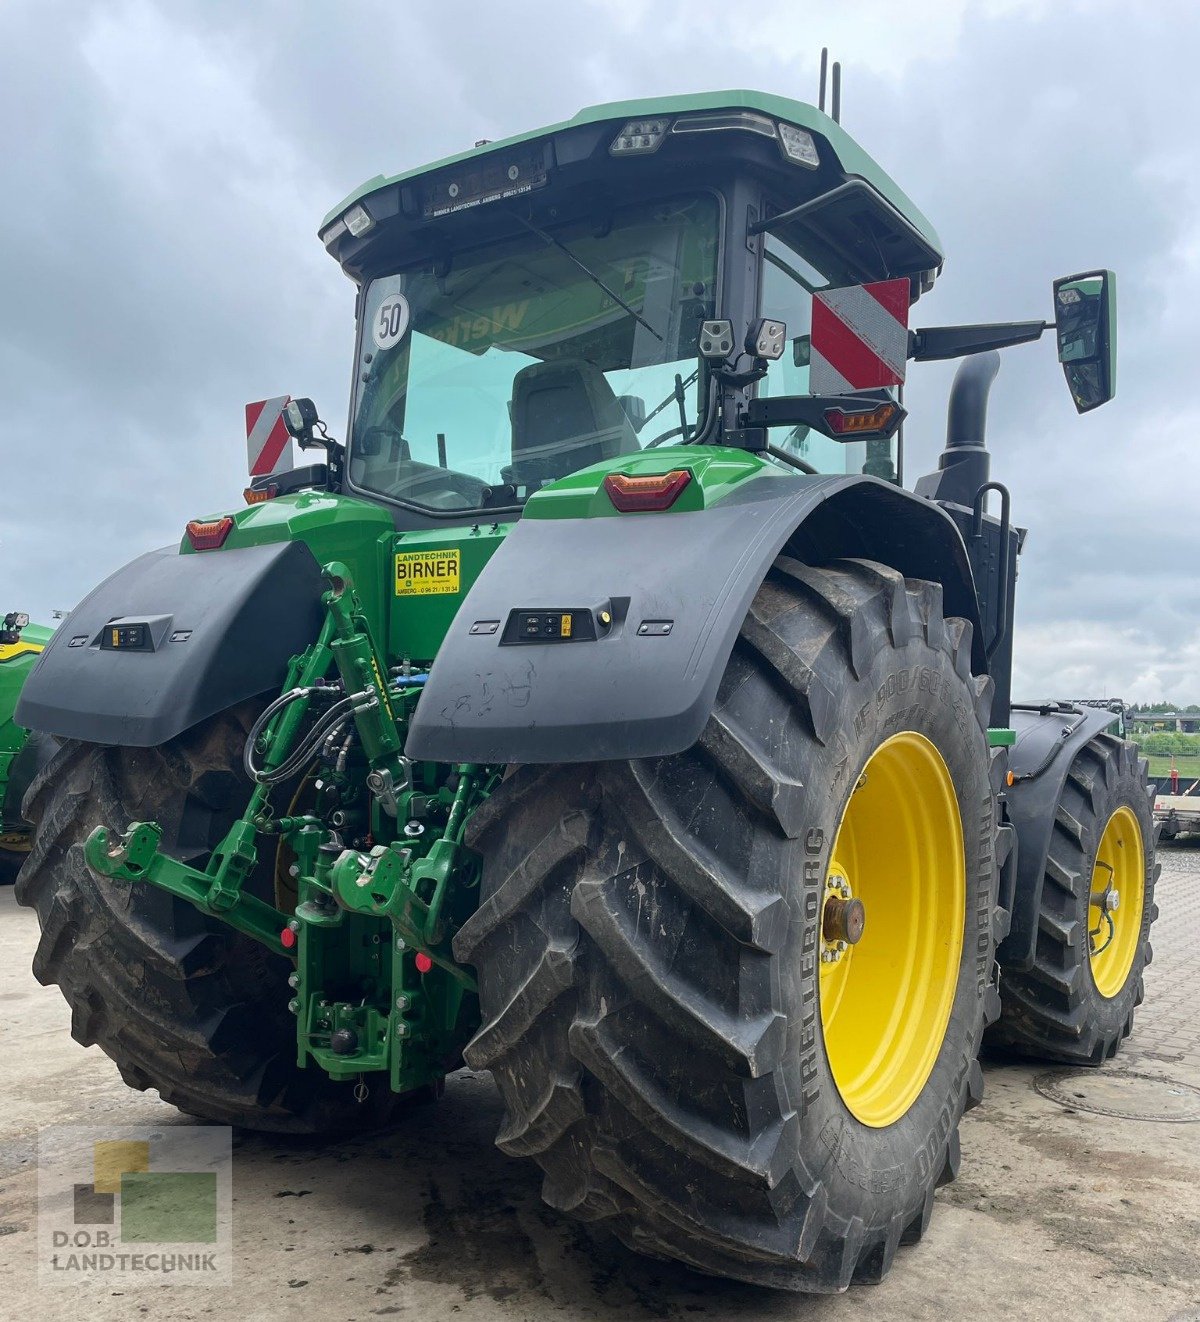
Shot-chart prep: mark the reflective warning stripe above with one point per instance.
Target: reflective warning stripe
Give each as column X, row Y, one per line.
column 859, row 337
column 266, row 436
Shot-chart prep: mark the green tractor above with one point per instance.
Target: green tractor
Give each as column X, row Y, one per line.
column 21, row 756
column 605, row 712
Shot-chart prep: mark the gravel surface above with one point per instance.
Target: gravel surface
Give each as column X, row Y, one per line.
column 1059, row 1212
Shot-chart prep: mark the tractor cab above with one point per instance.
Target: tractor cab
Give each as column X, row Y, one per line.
column 536, row 306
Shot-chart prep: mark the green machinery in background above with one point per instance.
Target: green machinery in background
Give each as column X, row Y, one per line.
column 20, row 645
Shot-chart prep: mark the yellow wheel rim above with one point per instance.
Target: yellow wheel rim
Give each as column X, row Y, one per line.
column 1118, row 898
column 886, row 999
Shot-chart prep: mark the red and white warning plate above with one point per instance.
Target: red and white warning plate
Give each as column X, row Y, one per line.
column 859, row 337
column 267, row 448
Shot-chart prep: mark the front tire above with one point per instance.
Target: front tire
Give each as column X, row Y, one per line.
column 650, row 934
column 181, row 1002
column 1076, row 1003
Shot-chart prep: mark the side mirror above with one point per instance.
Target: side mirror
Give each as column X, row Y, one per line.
column 1085, row 315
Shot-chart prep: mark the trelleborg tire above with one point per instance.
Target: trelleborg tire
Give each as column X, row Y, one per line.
column 679, row 1045
column 1076, row 1003
column 181, row 1002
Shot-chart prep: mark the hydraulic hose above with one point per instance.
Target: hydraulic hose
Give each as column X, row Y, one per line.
column 308, row 747
column 271, row 709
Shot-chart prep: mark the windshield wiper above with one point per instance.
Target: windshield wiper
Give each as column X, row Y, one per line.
column 674, row 395
column 591, row 275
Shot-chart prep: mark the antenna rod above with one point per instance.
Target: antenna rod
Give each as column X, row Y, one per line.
column 824, row 70
column 837, row 92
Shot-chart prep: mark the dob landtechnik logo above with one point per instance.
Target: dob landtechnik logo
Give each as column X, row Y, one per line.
column 134, row 1205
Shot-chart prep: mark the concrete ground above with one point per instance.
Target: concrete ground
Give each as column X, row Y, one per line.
column 1059, row 1212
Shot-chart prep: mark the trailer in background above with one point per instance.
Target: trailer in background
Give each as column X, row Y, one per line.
column 1178, row 814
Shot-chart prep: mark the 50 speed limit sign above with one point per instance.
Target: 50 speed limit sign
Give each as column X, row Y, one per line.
column 391, row 321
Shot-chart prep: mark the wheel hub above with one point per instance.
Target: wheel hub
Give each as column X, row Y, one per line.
column 842, row 919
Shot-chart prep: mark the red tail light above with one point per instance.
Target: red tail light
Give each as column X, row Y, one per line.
column 209, row 534
column 658, row 492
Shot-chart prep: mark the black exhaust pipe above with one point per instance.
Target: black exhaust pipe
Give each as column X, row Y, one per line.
column 965, row 465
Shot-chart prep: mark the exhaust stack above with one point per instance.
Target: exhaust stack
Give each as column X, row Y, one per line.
column 965, row 464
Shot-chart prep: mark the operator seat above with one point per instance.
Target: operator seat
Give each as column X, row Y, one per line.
column 564, row 417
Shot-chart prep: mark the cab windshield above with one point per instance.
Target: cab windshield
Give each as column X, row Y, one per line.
column 483, row 377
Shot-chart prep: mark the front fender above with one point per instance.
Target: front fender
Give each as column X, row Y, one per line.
column 677, row 587
column 219, row 627
column 1048, row 738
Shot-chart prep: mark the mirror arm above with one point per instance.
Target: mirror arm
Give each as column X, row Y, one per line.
column 335, row 453
column 939, row 342
column 811, row 411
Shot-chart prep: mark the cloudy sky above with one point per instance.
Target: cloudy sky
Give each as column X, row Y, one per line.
column 164, row 167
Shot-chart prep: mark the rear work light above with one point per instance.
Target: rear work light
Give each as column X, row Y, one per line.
column 639, row 137
column 209, row 534
column 658, row 492
column 878, row 422
column 798, row 145
column 358, row 220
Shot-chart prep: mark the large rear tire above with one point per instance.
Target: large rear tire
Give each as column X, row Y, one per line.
column 676, row 1037
column 1076, row 1003
column 182, row 1003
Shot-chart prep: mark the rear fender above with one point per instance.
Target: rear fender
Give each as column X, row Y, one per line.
column 220, row 626
column 677, row 587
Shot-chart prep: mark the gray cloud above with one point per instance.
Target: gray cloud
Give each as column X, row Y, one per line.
column 166, row 166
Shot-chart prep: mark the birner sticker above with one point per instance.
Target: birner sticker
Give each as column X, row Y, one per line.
column 135, row 1205
column 424, row 573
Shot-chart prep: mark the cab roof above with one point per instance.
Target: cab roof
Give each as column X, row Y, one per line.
column 855, row 163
